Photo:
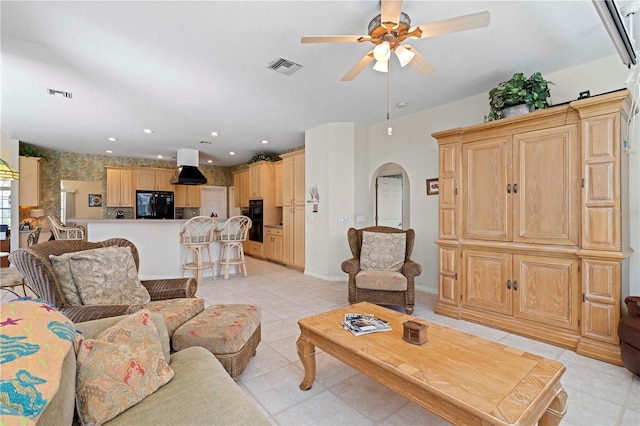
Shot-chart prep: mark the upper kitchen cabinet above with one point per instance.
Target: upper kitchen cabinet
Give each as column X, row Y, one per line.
column 188, row 196
column 277, row 169
column 241, row 187
column 29, row 181
column 262, row 180
column 148, row 178
column 119, row 187
column 293, row 192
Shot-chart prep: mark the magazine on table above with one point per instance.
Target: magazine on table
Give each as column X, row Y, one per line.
column 360, row 324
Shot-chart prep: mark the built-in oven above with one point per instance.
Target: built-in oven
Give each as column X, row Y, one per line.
column 256, row 216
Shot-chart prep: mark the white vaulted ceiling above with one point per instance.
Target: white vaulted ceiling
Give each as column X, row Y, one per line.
column 184, row 69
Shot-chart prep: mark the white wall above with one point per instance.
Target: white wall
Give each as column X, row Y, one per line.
column 412, row 147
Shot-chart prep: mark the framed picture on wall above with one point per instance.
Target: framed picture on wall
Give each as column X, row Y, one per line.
column 433, row 186
column 95, row 200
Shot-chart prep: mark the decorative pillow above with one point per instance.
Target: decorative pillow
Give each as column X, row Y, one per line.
column 119, row 368
column 382, row 251
column 62, row 269
column 107, row 276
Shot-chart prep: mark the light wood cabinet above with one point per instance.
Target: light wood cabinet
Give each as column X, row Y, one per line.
column 187, row 196
column 530, row 235
column 273, row 243
column 277, row 170
column 256, row 249
column 293, row 236
column 261, row 180
column 119, row 187
column 293, row 208
column 293, row 185
column 151, row 179
column 241, row 182
column 29, row 181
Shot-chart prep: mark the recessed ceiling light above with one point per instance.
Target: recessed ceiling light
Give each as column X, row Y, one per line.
column 401, row 105
column 214, row 133
column 109, row 151
column 232, row 153
column 112, row 139
column 209, row 161
column 148, row 131
column 265, row 141
column 159, row 156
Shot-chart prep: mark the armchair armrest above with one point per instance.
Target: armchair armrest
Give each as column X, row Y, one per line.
column 633, row 306
column 411, row 269
column 171, row 288
column 85, row 313
column 351, row 266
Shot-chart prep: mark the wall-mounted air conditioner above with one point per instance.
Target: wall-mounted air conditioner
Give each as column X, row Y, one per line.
column 615, row 25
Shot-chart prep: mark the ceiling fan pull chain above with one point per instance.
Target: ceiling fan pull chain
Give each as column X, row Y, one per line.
column 389, row 128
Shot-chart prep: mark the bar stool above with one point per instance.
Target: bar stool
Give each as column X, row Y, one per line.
column 197, row 235
column 232, row 235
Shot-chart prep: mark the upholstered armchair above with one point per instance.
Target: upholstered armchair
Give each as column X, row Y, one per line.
column 381, row 270
column 173, row 298
column 629, row 333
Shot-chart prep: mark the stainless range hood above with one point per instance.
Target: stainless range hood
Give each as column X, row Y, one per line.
column 188, row 173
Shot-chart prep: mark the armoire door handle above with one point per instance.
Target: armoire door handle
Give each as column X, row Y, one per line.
column 508, row 188
column 508, row 284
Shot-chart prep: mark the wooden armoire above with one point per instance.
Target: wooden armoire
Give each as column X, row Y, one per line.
column 534, row 223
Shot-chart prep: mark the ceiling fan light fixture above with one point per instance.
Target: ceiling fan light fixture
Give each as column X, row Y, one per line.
column 381, row 66
column 382, row 52
column 404, row 55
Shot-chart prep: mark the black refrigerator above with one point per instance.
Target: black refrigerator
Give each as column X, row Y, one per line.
column 154, row 205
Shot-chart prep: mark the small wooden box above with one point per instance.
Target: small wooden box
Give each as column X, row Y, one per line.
column 415, row 332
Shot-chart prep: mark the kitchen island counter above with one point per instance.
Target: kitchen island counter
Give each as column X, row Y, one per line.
column 158, row 243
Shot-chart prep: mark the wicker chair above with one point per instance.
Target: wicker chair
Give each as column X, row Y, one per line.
column 33, row 237
column 197, row 235
column 34, row 264
column 65, row 232
column 232, row 235
column 385, row 292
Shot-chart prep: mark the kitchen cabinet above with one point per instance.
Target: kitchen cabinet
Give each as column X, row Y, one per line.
column 293, row 209
column 530, row 236
column 29, row 181
column 187, row 196
column 273, row 243
column 119, row 187
column 152, row 179
column 293, row 185
column 241, row 183
column 262, row 180
column 277, row 170
column 256, row 249
column 293, row 251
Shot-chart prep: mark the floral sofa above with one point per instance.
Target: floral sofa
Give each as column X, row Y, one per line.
column 115, row 370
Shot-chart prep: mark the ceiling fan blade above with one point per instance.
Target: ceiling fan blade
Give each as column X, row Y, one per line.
column 390, row 11
column 452, row 25
column 420, row 63
column 357, row 68
column 335, row 39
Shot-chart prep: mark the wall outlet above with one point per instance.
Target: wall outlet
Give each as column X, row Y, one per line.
column 360, row 219
column 343, row 219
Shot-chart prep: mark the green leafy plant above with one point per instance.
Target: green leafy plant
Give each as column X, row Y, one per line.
column 533, row 91
column 26, row 150
column 264, row 156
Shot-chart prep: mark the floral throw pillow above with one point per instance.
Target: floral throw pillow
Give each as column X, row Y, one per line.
column 62, row 269
column 382, row 251
column 108, row 276
column 119, row 368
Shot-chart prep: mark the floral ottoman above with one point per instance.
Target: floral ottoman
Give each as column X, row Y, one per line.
column 230, row 332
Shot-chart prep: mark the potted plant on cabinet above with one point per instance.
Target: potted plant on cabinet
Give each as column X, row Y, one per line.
column 522, row 93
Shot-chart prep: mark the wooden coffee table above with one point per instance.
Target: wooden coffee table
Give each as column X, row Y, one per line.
column 462, row 378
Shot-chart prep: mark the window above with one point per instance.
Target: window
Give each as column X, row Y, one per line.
column 5, row 202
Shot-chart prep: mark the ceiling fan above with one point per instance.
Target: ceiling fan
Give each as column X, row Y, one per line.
column 391, row 28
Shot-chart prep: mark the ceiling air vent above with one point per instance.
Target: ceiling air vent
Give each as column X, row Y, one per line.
column 205, row 142
column 284, row 66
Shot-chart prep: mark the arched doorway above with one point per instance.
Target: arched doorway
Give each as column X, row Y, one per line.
column 391, row 196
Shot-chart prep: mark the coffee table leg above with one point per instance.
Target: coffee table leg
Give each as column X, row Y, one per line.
column 556, row 410
column 307, row 354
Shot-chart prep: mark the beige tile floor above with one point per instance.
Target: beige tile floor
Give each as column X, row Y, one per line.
column 599, row 393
